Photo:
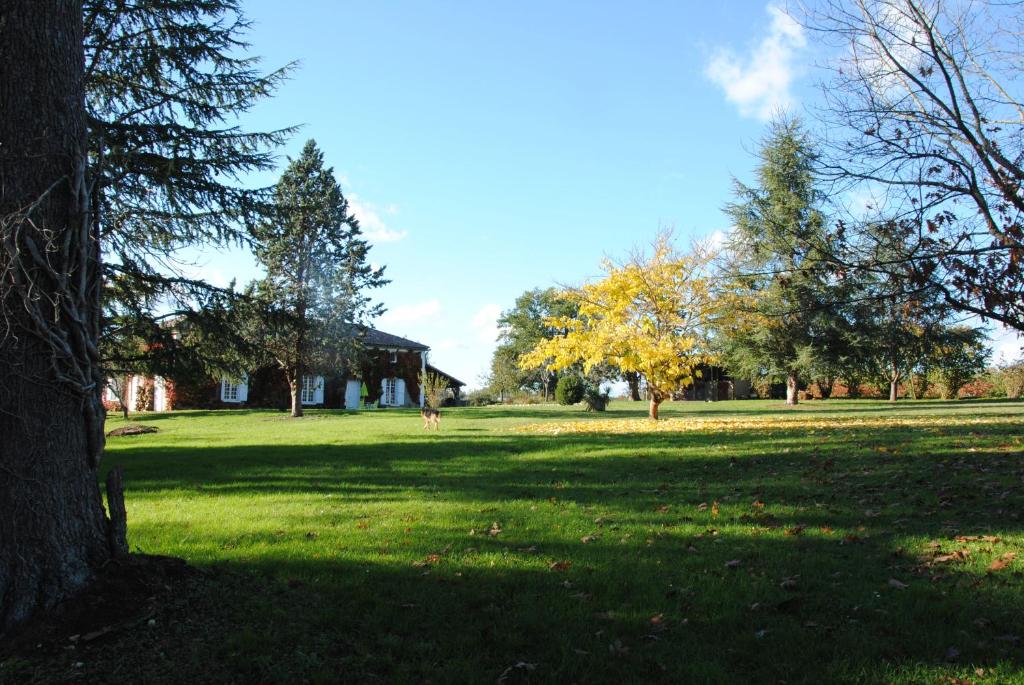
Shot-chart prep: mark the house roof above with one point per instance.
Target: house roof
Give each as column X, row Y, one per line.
column 452, row 380
column 375, row 338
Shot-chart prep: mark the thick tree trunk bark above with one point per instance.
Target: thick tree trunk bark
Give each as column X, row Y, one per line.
column 894, row 389
column 652, row 411
column 53, row 530
column 792, row 389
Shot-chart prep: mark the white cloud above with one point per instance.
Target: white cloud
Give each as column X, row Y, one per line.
column 759, row 84
column 1006, row 345
column 411, row 313
column 370, row 220
column 716, row 240
column 485, row 322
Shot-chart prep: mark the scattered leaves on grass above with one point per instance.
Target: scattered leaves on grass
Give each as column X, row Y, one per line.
column 795, row 530
column 958, row 556
column 897, row 585
column 560, row 565
column 718, row 425
column 976, row 538
column 733, row 563
column 427, row 561
column 587, row 539
column 789, row 583
column 1002, row 562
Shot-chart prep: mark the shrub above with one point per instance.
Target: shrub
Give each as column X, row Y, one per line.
column 524, row 397
column 434, row 388
column 569, row 390
column 481, row 398
column 594, row 399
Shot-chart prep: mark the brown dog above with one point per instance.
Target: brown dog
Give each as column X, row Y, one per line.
column 431, row 417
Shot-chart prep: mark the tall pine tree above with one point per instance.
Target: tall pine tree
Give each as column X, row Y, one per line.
column 317, row 274
column 165, row 83
column 778, row 284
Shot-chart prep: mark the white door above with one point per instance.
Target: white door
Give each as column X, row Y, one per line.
column 159, row 394
column 352, row 389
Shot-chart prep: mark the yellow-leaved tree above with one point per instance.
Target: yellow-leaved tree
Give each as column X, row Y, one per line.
column 648, row 315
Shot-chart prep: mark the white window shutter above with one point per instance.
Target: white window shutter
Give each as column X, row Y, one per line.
column 243, row 388
column 400, row 393
column 318, row 391
column 383, row 390
column 223, row 387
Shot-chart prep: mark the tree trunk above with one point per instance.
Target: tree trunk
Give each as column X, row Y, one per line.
column 294, row 386
column 894, row 386
column 652, row 412
column 633, row 381
column 792, row 386
column 53, row 531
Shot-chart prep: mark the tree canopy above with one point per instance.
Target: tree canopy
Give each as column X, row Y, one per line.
column 647, row 315
column 165, row 83
column 318, row 276
column 775, row 281
column 924, row 113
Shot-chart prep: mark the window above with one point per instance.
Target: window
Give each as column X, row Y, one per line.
column 234, row 389
column 229, row 390
column 390, row 392
column 308, row 393
column 393, row 356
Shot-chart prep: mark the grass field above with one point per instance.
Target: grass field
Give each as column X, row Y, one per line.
column 841, row 541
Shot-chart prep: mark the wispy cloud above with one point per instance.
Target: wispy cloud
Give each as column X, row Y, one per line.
column 374, row 227
column 759, row 82
column 485, row 322
column 415, row 312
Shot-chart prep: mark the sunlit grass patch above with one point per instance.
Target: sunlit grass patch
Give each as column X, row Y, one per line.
column 731, row 542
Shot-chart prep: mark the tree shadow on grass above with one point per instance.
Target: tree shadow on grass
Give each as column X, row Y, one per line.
column 686, row 608
column 747, row 556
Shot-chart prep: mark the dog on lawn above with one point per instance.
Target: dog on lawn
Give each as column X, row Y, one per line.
column 431, row 417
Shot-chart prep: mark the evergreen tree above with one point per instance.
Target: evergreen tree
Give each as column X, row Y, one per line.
column 317, row 274
column 165, row 83
column 777, row 288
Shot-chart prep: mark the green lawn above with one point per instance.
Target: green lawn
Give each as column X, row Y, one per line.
column 741, row 542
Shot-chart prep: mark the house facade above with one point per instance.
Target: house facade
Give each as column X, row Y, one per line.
column 713, row 384
column 387, row 377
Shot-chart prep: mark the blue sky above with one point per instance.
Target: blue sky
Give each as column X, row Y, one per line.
column 488, row 149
